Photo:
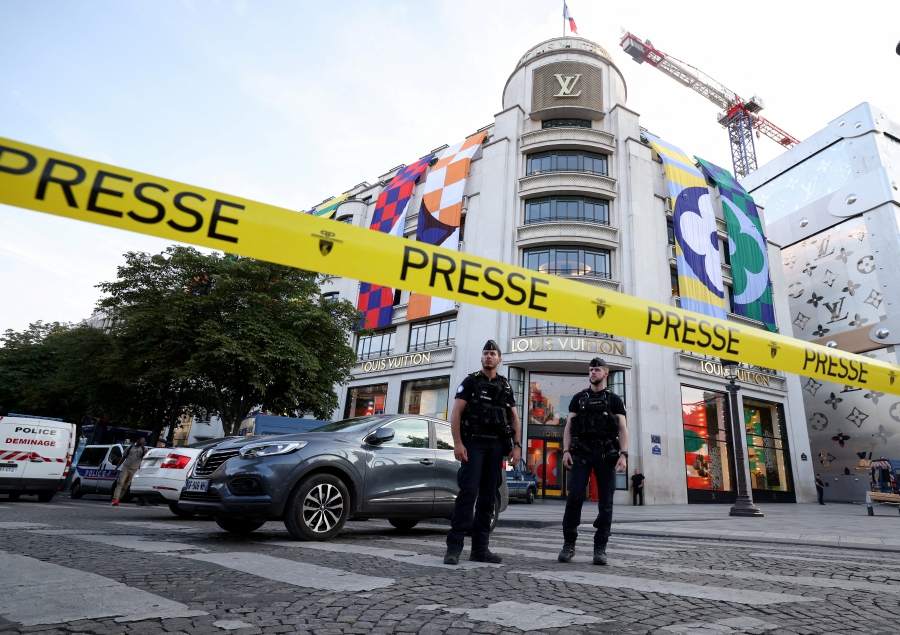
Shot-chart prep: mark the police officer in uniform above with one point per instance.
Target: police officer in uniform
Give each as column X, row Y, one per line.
column 486, row 429
column 596, row 440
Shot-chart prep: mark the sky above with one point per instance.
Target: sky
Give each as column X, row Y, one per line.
column 290, row 102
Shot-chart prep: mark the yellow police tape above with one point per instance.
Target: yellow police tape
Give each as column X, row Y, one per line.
column 60, row 184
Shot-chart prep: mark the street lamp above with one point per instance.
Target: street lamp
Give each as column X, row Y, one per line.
column 743, row 506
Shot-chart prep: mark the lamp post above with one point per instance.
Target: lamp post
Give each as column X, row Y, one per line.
column 743, row 506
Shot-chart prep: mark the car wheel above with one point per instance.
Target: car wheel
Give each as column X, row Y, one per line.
column 403, row 524
column 529, row 497
column 14, row 497
column 318, row 508
column 496, row 515
column 46, row 497
column 181, row 513
column 76, row 492
column 239, row 525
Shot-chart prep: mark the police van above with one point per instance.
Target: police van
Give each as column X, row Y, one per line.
column 35, row 455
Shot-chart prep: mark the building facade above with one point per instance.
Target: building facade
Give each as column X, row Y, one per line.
column 565, row 183
column 832, row 204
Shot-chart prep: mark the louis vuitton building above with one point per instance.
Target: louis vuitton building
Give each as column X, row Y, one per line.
column 563, row 180
column 832, row 203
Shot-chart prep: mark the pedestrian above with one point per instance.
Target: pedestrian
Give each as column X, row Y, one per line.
column 130, row 463
column 596, row 440
column 486, row 429
column 637, row 488
column 820, row 489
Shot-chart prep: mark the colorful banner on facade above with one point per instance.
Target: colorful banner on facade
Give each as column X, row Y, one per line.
column 327, row 208
column 440, row 213
column 377, row 302
column 696, row 243
column 747, row 246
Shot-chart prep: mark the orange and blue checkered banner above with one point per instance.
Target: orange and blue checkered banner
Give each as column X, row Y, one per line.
column 696, row 241
column 440, row 213
column 375, row 301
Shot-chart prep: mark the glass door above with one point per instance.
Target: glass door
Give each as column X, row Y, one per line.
column 545, row 458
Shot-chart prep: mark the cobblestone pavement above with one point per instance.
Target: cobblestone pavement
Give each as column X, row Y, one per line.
column 84, row 567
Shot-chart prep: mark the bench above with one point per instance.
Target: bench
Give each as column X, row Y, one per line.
column 880, row 497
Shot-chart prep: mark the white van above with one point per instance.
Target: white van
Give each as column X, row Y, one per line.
column 35, row 455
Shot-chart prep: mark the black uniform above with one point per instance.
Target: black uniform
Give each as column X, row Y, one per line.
column 637, row 491
column 820, row 490
column 594, row 448
column 485, row 430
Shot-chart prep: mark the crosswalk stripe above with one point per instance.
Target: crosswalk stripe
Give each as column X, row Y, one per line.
column 398, row 555
column 292, row 572
column 521, row 552
column 823, row 560
column 122, row 542
column 650, row 585
column 34, row 592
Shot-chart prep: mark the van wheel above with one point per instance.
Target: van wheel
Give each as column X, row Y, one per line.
column 318, row 509
column 181, row 513
column 403, row 524
column 14, row 497
column 76, row 492
column 239, row 525
column 46, row 497
column 529, row 497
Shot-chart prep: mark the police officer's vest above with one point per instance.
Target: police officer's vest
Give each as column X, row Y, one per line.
column 486, row 413
column 595, row 418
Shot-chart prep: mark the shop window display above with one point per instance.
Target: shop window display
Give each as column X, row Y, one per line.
column 708, row 445
column 767, row 446
column 426, row 397
column 365, row 400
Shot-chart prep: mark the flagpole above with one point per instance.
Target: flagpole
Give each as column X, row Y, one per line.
column 564, row 18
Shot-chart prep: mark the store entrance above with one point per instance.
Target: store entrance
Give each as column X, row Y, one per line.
column 545, row 458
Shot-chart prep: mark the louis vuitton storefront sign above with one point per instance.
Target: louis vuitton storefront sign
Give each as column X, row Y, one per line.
column 557, row 343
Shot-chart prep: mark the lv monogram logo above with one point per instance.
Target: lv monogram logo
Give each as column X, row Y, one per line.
column 835, row 309
column 567, row 85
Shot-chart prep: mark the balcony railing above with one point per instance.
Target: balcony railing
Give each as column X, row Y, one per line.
column 567, row 169
column 568, row 272
column 567, row 219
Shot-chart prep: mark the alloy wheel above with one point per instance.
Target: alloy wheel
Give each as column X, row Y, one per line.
column 323, row 507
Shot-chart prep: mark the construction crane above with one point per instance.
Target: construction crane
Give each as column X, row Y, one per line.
column 740, row 117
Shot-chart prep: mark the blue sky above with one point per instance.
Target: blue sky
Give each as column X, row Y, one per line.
column 292, row 102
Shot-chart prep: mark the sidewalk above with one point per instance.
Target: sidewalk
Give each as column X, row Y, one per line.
column 836, row 524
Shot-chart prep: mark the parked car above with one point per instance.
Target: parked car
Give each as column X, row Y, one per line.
column 35, row 454
column 398, row 467
column 163, row 472
column 521, row 482
column 96, row 471
column 261, row 425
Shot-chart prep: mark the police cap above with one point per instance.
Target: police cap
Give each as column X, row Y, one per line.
column 491, row 346
column 597, row 361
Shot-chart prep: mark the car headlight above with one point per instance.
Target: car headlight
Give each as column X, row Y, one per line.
column 270, row 448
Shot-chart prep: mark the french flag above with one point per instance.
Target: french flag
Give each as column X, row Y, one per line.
column 571, row 20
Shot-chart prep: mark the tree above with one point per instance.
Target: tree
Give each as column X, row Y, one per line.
column 226, row 334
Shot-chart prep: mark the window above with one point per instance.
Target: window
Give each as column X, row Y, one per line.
column 517, row 381
column 730, row 306
column 92, row 457
column 378, row 344
column 553, row 209
column 725, row 250
column 426, row 397
column 432, row 334
column 535, row 326
column 115, row 455
column 332, row 296
column 367, row 199
column 397, row 293
column 346, row 218
column 767, row 446
column 673, row 278
column 443, row 436
column 670, row 231
column 567, row 161
column 408, row 433
column 565, row 123
column 569, row 261
column 365, row 401
column 708, row 446
column 616, row 383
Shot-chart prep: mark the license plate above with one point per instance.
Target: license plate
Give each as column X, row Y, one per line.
column 196, row 485
column 8, row 469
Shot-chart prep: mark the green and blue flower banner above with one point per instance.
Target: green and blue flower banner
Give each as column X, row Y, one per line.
column 747, row 245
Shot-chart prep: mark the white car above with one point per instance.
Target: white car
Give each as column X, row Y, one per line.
column 163, row 472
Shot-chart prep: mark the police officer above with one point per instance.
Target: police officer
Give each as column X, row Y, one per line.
column 596, row 440
column 486, row 429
